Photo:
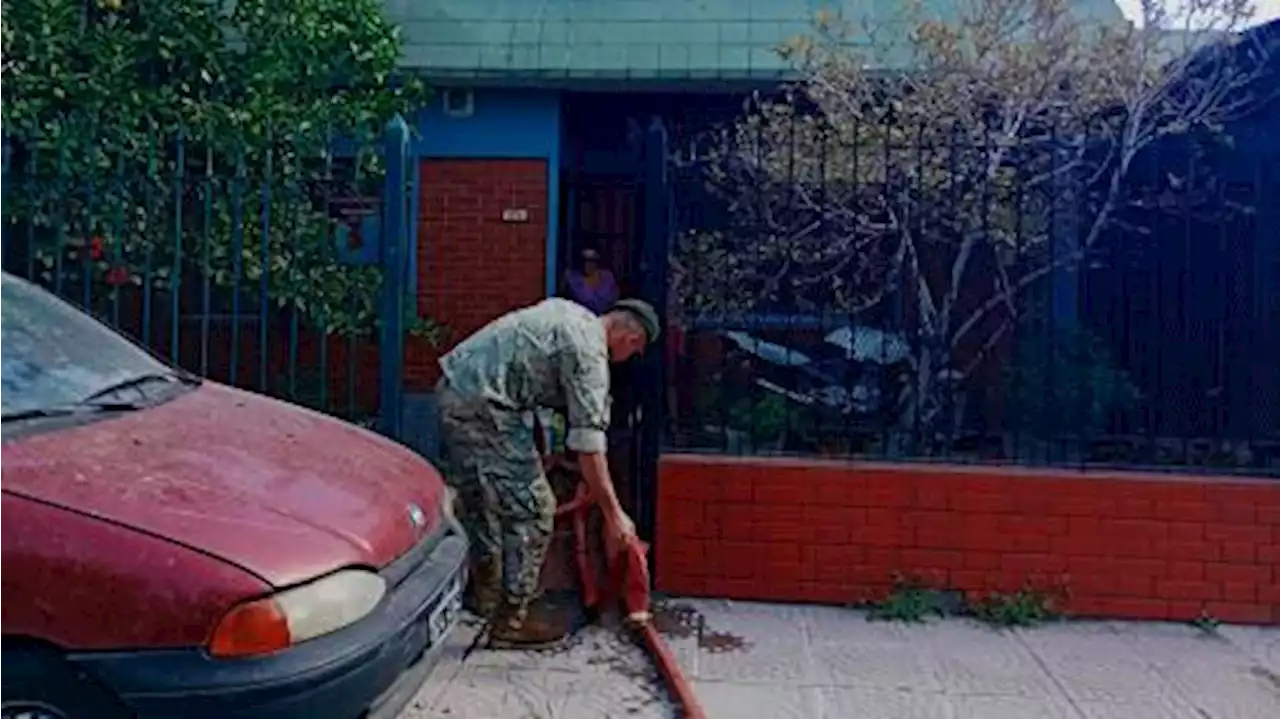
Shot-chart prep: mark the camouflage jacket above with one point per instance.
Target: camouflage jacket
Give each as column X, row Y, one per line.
column 552, row 354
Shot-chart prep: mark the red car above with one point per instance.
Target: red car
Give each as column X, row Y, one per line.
column 173, row 547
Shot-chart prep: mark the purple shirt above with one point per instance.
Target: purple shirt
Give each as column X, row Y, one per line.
column 598, row 299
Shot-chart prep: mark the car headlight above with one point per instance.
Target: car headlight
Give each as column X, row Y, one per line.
column 295, row 615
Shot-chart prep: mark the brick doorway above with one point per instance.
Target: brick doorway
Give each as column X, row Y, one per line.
column 482, row 248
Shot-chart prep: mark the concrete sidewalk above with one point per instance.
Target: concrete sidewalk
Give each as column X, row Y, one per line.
column 776, row 661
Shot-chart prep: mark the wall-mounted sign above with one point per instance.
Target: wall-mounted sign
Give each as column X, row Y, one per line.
column 515, row 214
column 357, row 229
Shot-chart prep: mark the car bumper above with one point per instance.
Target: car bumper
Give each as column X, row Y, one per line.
column 368, row 670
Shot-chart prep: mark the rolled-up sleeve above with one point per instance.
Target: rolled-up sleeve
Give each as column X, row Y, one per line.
column 585, row 374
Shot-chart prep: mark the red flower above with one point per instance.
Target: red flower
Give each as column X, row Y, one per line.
column 117, row 276
column 96, row 245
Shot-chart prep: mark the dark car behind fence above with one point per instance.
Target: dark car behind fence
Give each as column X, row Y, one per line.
column 252, row 264
column 886, row 292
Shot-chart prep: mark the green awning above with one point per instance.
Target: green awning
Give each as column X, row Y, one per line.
column 558, row 40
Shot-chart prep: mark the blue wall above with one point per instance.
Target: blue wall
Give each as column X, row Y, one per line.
column 505, row 124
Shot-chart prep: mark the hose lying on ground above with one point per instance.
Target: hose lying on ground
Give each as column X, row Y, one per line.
column 629, row 585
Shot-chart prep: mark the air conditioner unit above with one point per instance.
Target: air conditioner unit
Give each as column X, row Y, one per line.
column 458, row 102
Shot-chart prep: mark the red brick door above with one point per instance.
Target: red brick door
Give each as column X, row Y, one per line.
column 482, row 247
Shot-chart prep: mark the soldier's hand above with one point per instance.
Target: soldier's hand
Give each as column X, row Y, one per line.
column 619, row 532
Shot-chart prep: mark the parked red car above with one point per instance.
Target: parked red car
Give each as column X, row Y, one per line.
column 173, row 547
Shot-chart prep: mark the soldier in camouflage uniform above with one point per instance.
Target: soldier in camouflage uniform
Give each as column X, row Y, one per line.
column 553, row 354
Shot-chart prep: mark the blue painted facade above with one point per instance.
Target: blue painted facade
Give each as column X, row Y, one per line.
column 505, row 124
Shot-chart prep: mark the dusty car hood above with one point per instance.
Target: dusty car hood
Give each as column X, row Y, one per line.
column 281, row 491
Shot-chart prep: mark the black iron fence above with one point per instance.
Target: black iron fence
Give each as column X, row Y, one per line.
column 250, row 263
column 887, row 291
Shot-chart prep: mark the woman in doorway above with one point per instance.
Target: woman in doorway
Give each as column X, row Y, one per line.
column 593, row 287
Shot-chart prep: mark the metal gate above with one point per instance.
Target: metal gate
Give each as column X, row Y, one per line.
column 620, row 208
column 247, row 264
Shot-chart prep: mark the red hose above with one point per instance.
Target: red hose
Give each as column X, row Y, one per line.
column 629, row 575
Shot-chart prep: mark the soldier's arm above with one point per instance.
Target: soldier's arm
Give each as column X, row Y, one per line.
column 586, row 383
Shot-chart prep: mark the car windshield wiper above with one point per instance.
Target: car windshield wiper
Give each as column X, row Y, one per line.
column 140, row 380
column 69, row 410
column 96, row 403
column 37, row 413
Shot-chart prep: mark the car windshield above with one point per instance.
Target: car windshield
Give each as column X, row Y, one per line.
column 54, row 355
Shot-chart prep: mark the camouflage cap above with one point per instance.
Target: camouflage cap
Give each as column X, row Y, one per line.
column 644, row 313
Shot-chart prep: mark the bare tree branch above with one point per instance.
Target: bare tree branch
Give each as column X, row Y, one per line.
column 935, row 163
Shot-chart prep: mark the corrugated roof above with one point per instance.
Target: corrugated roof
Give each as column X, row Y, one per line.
column 556, row 40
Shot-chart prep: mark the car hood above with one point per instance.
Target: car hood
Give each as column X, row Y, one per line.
column 284, row 492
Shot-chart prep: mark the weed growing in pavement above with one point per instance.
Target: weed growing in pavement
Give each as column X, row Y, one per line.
column 1207, row 623
column 1024, row 608
column 913, row 601
column 910, row 601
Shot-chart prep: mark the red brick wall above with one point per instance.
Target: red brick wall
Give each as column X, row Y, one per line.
column 1124, row 545
column 473, row 266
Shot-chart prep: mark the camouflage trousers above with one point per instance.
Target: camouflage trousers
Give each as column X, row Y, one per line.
column 508, row 507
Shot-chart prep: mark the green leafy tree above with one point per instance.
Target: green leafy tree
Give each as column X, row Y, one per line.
column 165, row 138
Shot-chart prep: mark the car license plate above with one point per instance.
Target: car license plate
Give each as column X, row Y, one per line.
column 440, row 622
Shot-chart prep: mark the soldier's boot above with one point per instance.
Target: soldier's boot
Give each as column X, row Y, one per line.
column 484, row 593
column 540, row 625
